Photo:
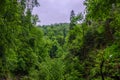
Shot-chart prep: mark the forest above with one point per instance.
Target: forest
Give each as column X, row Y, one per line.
column 87, row 48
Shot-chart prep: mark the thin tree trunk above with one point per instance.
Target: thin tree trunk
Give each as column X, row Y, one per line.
column 101, row 69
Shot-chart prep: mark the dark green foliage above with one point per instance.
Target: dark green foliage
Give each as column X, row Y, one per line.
column 72, row 21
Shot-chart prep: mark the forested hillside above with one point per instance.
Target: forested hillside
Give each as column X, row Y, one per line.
column 87, row 48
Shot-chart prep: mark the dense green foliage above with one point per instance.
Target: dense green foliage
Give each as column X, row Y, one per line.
column 88, row 50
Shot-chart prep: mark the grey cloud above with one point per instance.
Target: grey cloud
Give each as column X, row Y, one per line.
column 57, row 11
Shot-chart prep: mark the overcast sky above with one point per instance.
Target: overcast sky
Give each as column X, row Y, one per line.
column 57, row 11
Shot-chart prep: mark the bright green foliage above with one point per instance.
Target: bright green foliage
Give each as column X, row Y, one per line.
column 52, row 70
column 19, row 48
